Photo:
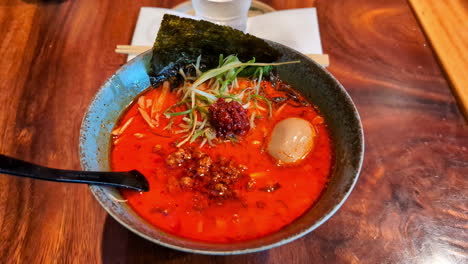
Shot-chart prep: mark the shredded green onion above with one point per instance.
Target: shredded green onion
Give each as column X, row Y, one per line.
column 219, row 82
column 270, row 109
column 180, row 113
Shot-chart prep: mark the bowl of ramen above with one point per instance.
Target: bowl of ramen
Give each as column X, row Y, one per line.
column 241, row 156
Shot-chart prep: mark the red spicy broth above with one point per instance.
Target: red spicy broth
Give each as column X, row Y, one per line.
column 279, row 195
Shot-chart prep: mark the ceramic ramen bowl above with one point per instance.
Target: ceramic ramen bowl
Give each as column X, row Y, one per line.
column 307, row 77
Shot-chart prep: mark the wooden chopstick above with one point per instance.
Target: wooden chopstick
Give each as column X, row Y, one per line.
column 321, row 59
column 128, row 49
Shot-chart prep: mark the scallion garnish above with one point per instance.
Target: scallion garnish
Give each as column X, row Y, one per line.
column 221, row 82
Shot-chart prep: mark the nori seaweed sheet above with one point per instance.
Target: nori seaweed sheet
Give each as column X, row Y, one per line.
column 181, row 40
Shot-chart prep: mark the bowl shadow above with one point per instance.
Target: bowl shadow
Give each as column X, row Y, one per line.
column 119, row 245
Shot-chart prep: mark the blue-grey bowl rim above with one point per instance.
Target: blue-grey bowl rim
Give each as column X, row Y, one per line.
column 249, row 250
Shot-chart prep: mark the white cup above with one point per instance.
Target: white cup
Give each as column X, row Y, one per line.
column 231, row 13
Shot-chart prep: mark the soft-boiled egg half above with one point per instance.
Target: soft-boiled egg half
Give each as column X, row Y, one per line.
column 291, row 140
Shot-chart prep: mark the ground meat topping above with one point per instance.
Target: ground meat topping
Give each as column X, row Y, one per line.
column 177, row 158
column 217, row 178
column 229, row 118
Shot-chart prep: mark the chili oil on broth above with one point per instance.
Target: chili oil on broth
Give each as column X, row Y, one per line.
column 280, row 193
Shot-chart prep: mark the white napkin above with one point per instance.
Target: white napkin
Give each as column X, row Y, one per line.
column 295, row 28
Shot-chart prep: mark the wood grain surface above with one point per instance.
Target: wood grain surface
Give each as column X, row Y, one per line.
column 409, row 206
column 446, row 25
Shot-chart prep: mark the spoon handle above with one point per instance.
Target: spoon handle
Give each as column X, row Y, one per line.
column 131, row 179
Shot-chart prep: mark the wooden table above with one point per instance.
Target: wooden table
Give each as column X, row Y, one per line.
column 445, row 23
column 409, row 206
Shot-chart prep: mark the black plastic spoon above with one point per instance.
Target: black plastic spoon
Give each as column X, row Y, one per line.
column 129, row 179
